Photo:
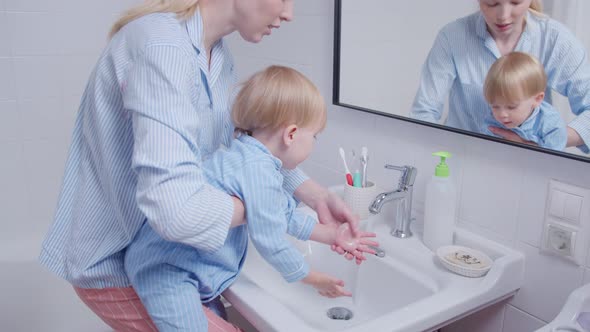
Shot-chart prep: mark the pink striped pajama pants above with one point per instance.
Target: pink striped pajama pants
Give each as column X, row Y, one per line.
column 121, row 309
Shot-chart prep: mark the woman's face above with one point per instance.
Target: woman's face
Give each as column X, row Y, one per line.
column 257, row 18
column 504, row 17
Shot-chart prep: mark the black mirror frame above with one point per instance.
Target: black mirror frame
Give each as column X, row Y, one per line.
column 336, row 101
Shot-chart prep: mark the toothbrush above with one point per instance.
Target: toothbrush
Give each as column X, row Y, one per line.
column 364, row 161
column 356, row 175
column 348, row 174
column 356, row 179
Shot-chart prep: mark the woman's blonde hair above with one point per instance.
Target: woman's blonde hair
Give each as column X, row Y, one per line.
column 275, row 97
column 536, row 6
column 184, row 9
column 514, row 77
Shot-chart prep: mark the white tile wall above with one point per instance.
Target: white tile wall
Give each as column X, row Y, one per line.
column 489, row 319
column 35, row 33
column 10, row 125
column 549, row 280
column 31, row 5
column 486, row 175
column 4, row 35
column 38, row 76
column 7, row 86
column 13, row 199
column 516, row 320
column 47, row 50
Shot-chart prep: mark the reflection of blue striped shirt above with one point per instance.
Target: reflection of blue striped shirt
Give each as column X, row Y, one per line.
column 152, row 110
column 544, row 126
column 464, row 51
column 248, row 171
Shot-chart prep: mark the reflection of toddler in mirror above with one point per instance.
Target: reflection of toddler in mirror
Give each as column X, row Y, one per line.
column 277, row 115
column 515, row 87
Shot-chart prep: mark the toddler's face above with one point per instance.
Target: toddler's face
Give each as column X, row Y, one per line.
column 302, row 146
column 513, row 114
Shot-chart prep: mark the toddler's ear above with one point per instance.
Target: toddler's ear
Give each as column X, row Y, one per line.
column 289, row 134
column 539, row 98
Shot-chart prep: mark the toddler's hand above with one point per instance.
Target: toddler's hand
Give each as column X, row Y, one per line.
column 326, row 285
column 355, row 246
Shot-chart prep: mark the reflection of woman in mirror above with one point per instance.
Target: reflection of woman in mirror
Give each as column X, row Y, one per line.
column 465, row 49
column 515, row 87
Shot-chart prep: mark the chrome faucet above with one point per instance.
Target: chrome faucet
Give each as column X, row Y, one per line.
column 403, row 195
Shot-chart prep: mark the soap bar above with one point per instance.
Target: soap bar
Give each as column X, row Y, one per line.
column 465, row 259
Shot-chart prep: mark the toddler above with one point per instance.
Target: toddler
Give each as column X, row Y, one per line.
column 515, row 88
column 277, row 115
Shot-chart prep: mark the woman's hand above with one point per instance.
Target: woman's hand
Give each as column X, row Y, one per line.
column 509, row 135
column 239, row 216
column 331, row 209
column 357, row 246
column 573, row 138
column 326, row 285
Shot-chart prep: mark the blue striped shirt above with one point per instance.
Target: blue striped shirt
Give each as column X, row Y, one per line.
column 544, row 126
column 249, row 171
column 152, row 110
column 462, row 54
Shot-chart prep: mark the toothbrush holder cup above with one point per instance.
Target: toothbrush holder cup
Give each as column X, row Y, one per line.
column 358, row 199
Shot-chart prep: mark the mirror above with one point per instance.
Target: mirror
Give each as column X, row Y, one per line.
column 381, row 45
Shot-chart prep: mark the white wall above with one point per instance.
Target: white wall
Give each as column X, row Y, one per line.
column 47, row 50
column 375, row 48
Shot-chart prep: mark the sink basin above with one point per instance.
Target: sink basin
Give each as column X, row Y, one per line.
column 379, row 286
column 408, row 290
column 566, row 320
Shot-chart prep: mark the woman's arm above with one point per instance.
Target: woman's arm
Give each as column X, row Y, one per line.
column 330, row 208
column 568, row 73
column 436, row 79
column 172, row 191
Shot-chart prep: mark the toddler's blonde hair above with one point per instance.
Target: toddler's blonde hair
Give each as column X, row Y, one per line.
column 275, row 97
column 514, row 77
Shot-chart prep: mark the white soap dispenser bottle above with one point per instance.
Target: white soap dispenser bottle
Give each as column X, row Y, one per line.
column 440, row 206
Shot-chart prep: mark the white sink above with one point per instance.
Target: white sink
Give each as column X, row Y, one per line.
column 566, row 320
column 371, row 299
column 407, row 290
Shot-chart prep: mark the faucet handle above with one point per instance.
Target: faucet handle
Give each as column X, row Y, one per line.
column 398, row 168
column 408, row 174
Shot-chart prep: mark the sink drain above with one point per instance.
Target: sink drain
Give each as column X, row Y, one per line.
column 339, row 313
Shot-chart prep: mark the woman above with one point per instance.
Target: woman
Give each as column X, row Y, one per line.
column 156, row 104
column 465, row 49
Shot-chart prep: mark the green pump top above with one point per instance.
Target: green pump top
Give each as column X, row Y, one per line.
column 442, row 169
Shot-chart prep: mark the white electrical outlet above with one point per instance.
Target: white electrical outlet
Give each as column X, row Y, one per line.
column 561, row 240
column 567, row 226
